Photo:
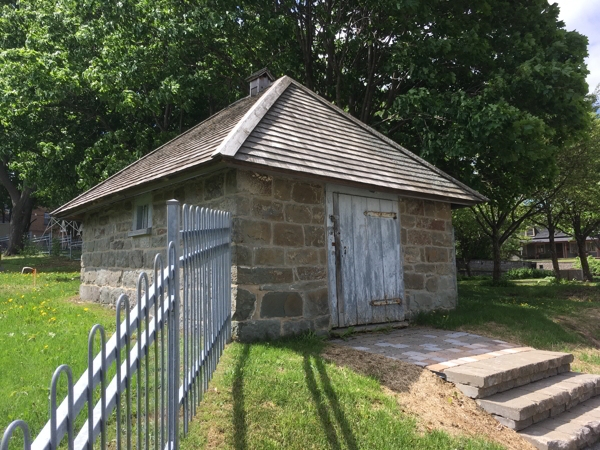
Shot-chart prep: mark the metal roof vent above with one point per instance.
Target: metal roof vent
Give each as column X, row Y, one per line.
column 259, row 81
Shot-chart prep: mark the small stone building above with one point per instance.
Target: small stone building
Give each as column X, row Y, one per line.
column 334, row 224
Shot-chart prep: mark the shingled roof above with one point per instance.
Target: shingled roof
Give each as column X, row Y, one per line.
column 288, row 127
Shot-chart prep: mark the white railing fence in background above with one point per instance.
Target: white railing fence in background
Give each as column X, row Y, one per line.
column 195, row 321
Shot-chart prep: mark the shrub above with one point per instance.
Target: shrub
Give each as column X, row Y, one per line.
column 55, row 250
column 592, row 262
column 29, row 248
column 526, row 273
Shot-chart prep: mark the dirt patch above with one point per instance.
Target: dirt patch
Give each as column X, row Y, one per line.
column 435, row 403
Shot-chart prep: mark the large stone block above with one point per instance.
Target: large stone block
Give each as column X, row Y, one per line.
column 108, row 259
column 96, row 259
column 242, row 255
column 267, row 209
column 257, row 330
column 269, row 256
column 281, row 304
column 311, row 273
column 264, row 275
column 441, row 239
column 237, row 205
column 254, row 183
column 429, row 208
column 424, row 268
column 322, row 323
column 282, row 189
column 298, row 213
column 414, row 281
column 314, row 236
column 231, row 182
column 431, row 224
column 301, row 257
column 108, row 277
column 288, row 235
column 412, row 254
column 122, row 258
column 443, row 211
column 318, row 214
column 414, row 207
column 296, row 327
column 432, row 284
column 247, row 231
column 418, row 237
column 214, row 186
column 136, row 259
column 89, row 292
column 316, row 303
column 245, row 302
column 307, row 193
column 408, row 221
column 436, row 255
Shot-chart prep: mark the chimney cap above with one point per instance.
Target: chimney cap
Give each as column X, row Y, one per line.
column 260, row 73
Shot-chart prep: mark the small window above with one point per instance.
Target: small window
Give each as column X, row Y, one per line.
column 142, row 215
column 531, row 232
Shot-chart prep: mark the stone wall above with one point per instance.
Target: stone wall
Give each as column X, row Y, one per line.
column 279, row 253
column 429, row 260
column 279, row 262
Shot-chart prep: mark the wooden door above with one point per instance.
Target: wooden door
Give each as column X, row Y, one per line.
column 368, row 268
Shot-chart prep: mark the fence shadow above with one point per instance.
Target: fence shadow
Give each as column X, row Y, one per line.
column 338, row 412
column 239, row 413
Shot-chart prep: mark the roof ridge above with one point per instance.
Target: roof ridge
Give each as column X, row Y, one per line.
column 139, row 160
column 388, row 140
column 240, row 132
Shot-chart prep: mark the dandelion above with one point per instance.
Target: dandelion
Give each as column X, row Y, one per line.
column 22, row 296
column 85, row 309
column 10, row 299
column 45, row 346
column 78, row 315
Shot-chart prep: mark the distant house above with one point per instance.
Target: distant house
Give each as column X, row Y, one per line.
column 40, row 218
column 536, row 245
column 333, row 223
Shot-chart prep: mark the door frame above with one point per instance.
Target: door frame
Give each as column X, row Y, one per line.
column 330, row 189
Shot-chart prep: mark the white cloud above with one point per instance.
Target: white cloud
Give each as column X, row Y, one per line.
column 584, row 17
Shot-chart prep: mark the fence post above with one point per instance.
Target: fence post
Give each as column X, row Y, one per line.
column 173, row 230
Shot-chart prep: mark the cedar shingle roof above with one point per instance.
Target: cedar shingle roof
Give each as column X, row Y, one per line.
column 289, row 127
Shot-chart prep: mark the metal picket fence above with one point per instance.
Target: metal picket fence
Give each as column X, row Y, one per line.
column 195, row 321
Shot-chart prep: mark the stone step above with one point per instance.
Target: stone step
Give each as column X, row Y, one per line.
column 577, row 428
column 521, row 407
column 487, row 377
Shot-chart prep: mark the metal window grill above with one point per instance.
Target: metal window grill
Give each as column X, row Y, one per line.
column 180, row 333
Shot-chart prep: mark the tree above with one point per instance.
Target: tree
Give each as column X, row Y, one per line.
column 580, row 200
column 471, row 242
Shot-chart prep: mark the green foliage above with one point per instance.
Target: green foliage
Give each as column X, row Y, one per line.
column 502, row 282
column 527, row 273
column 55, row 250
column 29, row 248
column 593, row 263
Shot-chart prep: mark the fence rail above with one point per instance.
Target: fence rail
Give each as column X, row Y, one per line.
column 199, row 256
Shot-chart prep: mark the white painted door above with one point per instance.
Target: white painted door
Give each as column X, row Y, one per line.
column 365, row 236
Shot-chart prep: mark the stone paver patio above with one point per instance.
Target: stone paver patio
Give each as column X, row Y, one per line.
column 431, row 348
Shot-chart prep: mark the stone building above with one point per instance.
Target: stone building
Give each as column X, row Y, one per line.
column 333, row 224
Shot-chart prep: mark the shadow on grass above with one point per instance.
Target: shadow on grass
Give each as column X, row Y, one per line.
column 239, row 413
column 338, row 412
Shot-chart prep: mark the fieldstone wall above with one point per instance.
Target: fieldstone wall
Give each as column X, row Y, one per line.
column 429, row 260
column 279, row 253
column 279, row 261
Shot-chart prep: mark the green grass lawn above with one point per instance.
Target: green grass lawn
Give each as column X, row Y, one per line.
column 562, row 318
column 40, row 328
column 285, row 395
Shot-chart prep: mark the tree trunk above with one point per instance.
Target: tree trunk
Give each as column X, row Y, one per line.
column 19, row 222
column 587, row 275
column 497, row 273
column 553, row 253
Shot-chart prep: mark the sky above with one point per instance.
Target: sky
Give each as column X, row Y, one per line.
column 584, row 16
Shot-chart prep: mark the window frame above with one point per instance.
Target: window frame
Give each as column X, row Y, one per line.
column 141, row 201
